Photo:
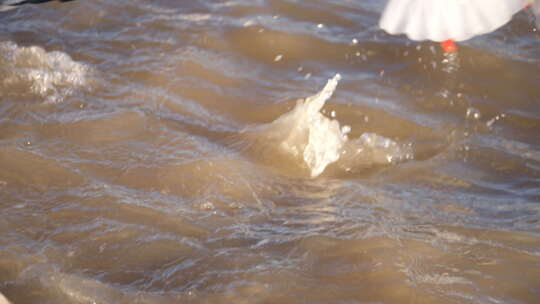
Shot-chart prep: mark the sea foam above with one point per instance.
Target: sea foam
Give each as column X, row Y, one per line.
column 32, row 70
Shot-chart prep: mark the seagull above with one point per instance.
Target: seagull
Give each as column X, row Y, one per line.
column 6, row 5
column 446, row 21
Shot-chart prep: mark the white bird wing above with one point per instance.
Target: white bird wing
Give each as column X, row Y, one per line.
column 440, row 20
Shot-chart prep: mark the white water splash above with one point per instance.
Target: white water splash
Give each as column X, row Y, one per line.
column 52, row 75
column 318, row 141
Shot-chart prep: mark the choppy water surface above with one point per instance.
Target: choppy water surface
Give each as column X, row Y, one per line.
column 264, row 151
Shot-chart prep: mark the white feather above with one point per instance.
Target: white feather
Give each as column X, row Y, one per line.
column 440, row 20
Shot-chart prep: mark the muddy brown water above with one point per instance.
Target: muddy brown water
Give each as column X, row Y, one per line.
column 138, row 162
